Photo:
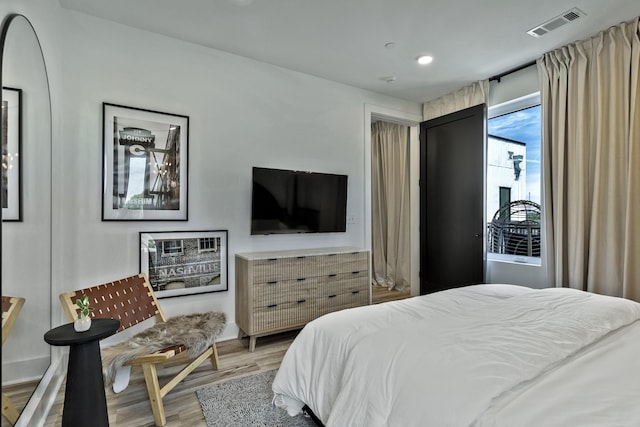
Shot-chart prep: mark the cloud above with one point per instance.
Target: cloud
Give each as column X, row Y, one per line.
column 523, row 125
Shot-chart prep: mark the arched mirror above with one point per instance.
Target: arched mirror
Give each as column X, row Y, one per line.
column 26, row 212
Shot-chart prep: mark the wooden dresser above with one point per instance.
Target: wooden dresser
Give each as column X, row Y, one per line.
column 283, row 290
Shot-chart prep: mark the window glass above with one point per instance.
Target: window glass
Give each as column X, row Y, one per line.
column 172, row 247
column 209, row 244
column 505, row 199
column 513, row 179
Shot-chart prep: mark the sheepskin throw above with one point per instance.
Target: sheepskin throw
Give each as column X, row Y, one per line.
column 195, row 331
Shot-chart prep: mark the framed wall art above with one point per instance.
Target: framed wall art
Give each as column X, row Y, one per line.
column 145, row 169
column 11, row 151
column 184, row 262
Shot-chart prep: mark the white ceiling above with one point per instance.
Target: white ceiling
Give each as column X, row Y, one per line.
column 344, row 40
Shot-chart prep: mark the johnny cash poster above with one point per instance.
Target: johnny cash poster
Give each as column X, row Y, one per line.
column 145, row 164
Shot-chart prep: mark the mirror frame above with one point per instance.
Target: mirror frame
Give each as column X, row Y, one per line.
column 34, row 403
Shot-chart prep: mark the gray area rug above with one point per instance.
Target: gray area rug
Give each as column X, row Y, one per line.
column 246, row 402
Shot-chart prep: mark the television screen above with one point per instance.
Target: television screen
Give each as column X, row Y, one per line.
column 288, row 201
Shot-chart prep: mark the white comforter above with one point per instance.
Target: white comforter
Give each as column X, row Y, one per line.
column 478, row 355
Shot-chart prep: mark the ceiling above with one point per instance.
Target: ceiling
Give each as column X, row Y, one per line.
column 344, row 40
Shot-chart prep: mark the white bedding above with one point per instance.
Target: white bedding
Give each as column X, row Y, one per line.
column 481, row 355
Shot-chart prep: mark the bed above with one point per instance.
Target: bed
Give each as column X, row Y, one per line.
column 482, row 355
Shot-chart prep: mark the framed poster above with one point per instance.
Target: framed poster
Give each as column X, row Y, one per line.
column 145, row 168
column 184, row 262
column 11, row 151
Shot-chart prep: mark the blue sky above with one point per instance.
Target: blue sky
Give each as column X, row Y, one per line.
column 524, row 126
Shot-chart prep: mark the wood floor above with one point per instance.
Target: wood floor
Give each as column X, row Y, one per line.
column 131, row 408
column 19, row 395
column 381, row 294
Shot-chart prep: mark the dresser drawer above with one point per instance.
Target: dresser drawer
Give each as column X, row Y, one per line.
column 278, row 269
column 339, row 283
column 293, row 293
column 341, row 301
column 344, row 262
column 289, row 314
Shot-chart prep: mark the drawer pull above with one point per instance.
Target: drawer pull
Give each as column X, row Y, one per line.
column 272, row 305
column 301, row 257
column 300, row 279
column 272, row 282
column 332, row 275
column 300, row 301
column 355, row 272
column 355, row 292
column 272, row 259
column 332, row 296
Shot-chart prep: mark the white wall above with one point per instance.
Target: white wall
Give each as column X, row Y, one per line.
column 512, row 86
column 242, row 113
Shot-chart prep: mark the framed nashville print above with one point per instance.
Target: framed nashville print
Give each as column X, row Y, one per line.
column 184, row 262
column 11, row 151
column 145, row 168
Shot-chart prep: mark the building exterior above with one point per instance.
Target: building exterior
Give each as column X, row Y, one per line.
column 184, row 263
column 506, row 173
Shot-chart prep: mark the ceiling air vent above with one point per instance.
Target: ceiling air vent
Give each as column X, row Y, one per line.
column 558, row 21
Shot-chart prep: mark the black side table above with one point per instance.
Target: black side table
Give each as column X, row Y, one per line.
column 84, row 397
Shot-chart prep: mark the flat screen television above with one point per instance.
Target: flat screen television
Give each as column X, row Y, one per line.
column 288, row 201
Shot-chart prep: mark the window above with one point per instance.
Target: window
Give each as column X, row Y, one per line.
column 172, row 247
column 505, row 199
column 208, row 244
column 513, row 180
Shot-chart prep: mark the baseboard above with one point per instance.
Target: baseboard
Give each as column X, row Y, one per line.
column 230, row 332
column 35, row 412
column 26, row 370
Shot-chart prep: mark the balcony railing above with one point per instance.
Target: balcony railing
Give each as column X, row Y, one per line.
column 515, row 229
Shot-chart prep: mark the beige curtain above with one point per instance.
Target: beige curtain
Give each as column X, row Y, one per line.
column 591, row 154
column 390, row 206
column 468, row 96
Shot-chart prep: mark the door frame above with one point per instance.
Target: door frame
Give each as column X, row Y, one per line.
column 412, row 120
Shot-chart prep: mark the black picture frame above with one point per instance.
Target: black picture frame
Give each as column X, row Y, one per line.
column 180, row 263
column 11, row 122
column 145, row 164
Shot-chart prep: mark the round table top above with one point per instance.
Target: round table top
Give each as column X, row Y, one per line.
column 66, row 335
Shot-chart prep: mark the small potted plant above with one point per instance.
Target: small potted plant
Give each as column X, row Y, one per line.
column 83, row 322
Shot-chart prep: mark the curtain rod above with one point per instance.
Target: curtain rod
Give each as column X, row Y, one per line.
column 513, row 70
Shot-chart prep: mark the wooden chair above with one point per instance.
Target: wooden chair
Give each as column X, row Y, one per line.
column 132, row 300
column 11, row 307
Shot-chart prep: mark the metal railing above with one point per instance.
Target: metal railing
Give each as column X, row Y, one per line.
column 515, row 229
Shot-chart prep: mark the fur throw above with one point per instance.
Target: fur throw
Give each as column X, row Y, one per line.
column 195, row 331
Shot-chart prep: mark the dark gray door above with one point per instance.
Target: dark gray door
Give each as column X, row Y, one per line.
column 452, row 223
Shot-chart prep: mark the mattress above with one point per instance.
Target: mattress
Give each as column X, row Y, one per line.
column 482, row 355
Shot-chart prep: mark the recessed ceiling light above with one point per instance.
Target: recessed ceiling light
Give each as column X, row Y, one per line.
column 424, row 60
